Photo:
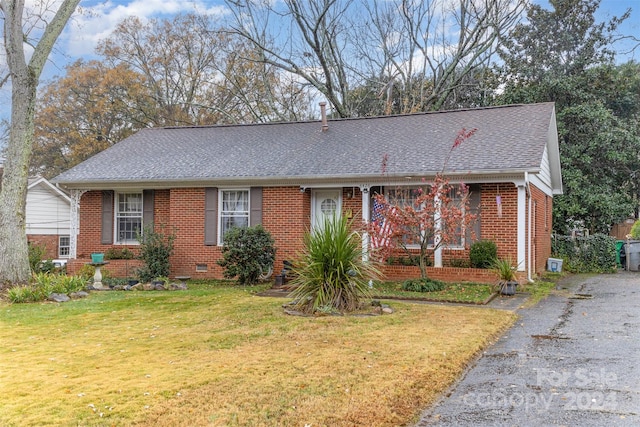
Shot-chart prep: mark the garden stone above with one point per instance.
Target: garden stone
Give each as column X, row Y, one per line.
column 148, row 287
column 387, row 310
column 137, row 287
column 79, row 294
column 128, row 287
column 178, row 287
column 118, row 287
column 159, row 287
column 59, row 297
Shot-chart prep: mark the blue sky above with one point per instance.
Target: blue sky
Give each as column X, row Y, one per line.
column 98, row 18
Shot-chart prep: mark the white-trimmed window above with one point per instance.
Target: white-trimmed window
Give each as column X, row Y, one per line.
column 234, row 210
column 407, row 196
column 64, row 245
column 128, row 217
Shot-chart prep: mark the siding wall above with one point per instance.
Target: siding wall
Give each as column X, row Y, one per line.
column 46, row 213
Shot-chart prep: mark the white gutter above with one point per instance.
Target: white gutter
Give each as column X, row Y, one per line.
column 530, row 227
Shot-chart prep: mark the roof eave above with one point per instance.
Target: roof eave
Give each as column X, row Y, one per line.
column 303, row 180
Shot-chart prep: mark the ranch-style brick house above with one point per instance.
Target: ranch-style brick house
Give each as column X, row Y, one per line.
column 200, row 181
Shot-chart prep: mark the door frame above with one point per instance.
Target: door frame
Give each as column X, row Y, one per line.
column 314, row 203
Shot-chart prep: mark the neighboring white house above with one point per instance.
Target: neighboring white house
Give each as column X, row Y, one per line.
column 48, row 213
column 47, row 218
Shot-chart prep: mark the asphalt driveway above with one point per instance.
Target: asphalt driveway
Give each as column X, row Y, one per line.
column 573, row 360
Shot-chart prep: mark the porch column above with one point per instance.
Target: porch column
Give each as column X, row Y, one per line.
column 437, row 237
column 522, row 227
column 74, row 222
column 366, row 217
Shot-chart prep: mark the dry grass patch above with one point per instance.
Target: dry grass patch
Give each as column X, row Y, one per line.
column 225, row 357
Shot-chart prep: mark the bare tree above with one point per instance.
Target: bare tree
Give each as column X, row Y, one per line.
column 197, row 72
column 34, row 34
column 412, row 55
column 310, row 40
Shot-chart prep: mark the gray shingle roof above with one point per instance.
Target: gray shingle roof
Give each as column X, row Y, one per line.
column 508, row 139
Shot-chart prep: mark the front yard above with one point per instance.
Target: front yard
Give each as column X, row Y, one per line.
column 219, row 355
column 472, row 293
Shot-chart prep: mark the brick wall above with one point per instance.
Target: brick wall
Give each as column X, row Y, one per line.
column 48, row 241
column 286, row 215
column 446, row 274
column 540, row 229
column 501, row 229
column 123, row 268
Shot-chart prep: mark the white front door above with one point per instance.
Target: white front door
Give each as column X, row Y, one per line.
column 326, row 203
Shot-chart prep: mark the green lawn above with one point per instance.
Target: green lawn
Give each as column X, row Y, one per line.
column 475, row 293
column 219, row 355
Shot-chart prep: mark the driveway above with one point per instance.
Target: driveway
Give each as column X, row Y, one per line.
column 573, row 360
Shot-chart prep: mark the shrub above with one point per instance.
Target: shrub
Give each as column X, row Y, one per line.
column 330, row 274
column 87, row 272
column 423, row 285
column 43, row 285
column 155, row 250
column 114, row 281
column 36, row 253
column 22, row 294
column 635, row 230
column 483, row 253
column 459, row 263
column 119, row 253
column 588, row 254
column 247, row 253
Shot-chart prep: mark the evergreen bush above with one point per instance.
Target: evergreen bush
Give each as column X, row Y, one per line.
column 155, row 249
column 248, row 253
column 423, row 285
column 36, row 254
column 635, row 230
column 588, row 254
column 483, row 253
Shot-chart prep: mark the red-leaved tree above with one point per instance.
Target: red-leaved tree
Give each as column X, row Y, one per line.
column 434, row 215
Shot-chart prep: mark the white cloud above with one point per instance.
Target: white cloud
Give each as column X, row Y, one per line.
column 97, row 21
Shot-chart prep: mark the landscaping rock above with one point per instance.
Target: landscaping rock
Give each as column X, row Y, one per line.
column 59, row 297
column 78, row 295
column 159, row 287
column 148, row 287
column 118, row 287
column 178, row 287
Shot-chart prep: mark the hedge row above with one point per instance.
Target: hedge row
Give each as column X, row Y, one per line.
column 590, row 254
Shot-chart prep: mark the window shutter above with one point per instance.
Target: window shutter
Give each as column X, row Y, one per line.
column 255, row 201
column 107, row 218
column 147, row 208
column 211, row 216
column 474, row 207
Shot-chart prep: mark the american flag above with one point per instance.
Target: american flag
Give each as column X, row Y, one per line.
column 380, row 239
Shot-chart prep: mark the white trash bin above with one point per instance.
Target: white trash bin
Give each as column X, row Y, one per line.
column 633, row 255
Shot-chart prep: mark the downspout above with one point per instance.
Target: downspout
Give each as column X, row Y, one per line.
column 364, row 190
column 530, row 228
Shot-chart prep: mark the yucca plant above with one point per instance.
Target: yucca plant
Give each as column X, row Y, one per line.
column 506, row 272
column 330, row 275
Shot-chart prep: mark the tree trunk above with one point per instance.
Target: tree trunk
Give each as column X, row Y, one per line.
column 14, row 253
column 14, row 258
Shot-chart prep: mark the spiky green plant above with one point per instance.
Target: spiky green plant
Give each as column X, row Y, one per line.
column 330, row 272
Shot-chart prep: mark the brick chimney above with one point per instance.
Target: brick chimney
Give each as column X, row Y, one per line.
column 323, row 115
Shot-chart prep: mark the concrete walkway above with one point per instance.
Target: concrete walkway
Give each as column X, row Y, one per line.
column 573, row 360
